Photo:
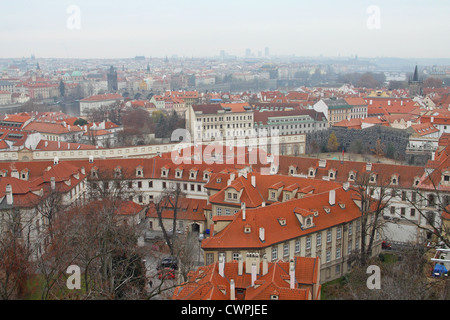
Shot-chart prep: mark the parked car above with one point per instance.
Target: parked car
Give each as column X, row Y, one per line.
column 166, row 274
column 386, row 246
column 169, row 262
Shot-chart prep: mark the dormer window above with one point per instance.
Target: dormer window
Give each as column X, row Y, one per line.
column 247, row 228
column 308, row 222
column 292, row 170
column 445, row 178
column 139, row 171
column 117, row 172
column 332, row 174
column 394, row 180
column 193, row 174
column 165, row 172
column 311, row 172
column 351, row 176
column 282, row 221
column 372, row 178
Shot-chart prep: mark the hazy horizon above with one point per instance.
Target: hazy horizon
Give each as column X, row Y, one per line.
column 157, row 28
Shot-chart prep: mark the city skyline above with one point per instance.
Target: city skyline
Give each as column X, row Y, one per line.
column 111, row 30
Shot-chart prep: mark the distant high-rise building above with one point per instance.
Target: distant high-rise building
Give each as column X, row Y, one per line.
column 112, row 80
column 266, row 51
column 248, row 53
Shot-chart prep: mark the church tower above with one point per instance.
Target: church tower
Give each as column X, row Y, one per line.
column 112, row 80
column 415, row 84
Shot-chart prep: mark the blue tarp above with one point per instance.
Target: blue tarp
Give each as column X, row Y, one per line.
column 439, row 270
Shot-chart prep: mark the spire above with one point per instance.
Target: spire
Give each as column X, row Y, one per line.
column 416, row 74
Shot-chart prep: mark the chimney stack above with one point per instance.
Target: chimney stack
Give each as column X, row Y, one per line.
column 253, row 181
column 240, row 265
column 53, row 183
column 221, row 265
column 262, row 234
column 332, row 197
column 265, row 265
column 9, row 195
column 253, row 273
column 243, row 211
column 232, row 290
column 292, row 275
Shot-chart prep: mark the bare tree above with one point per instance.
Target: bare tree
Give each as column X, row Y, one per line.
column 15, row 254
column 169, row 200
column 372, row 198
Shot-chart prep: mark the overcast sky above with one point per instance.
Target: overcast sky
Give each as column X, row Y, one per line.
column 158, row 28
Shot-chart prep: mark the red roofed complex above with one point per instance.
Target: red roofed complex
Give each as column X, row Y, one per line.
column 253, row 279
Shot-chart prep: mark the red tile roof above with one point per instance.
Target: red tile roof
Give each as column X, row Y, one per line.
column 206, row 283
column 233, row 235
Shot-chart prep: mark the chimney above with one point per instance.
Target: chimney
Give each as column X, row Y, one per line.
column 332, row 197
column 253, row 181
column 55, row 160
column 262, row 234
column 9, row 195
column 240, row 265
column 53, row 183
column 232, row 290
column 243, row 211
column 83, row 171
column 221, row 265
column 292, row 275
column 265, row 265
column 253, row 273
column 46, row 143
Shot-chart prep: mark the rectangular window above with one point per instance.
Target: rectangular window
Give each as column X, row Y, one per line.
column 328, row 256
column 328, row 236
column 274, row 253
column 286, row 250
column 319, row 239
column 297, row 246
column 338, row 233
column 402, row 211
column 219, row 211
column 209, row 258
column 308, row 243
column 338, row 252
column 412, row 213
column 150, row 184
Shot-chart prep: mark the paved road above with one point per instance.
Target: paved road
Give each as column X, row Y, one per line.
column 153, row 257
